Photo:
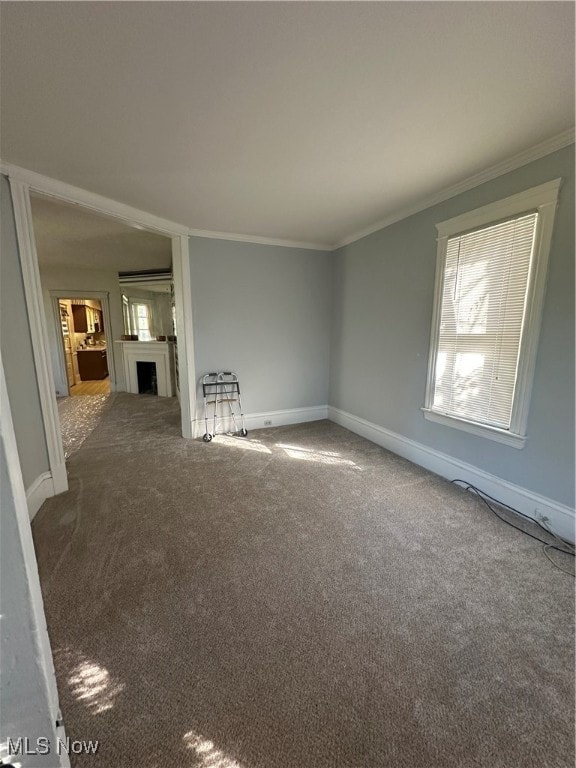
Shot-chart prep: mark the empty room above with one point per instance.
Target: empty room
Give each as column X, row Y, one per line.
column 287, row 384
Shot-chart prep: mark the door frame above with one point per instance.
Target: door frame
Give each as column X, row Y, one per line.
column 22, row 183
column 15, row 494
column 104, row 298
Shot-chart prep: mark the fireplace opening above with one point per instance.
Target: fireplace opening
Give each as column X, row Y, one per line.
column 147, row 382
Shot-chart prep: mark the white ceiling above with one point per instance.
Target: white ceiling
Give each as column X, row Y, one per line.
column 302, row 121
column 71, row 236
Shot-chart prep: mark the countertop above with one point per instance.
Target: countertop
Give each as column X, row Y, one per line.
column 95, row 348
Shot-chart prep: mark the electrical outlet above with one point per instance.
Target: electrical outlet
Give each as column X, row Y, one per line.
column 267, row 422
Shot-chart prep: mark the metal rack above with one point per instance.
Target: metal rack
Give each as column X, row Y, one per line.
column 220, row 388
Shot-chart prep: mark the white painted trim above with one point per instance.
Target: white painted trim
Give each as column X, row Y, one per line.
column 561, row 518
column 481, row 430
column 133, row 216
column 77, row 196
column 158, row 352
column 533, row 317
column 286, row 417
column 522, row 202
column 544, row 199
column 36, row 494
column 553, row 144
column 278, row 418
column 186, row 388
column 38, row 617
column 435, row 325
column 38, row 332
column 257, row 240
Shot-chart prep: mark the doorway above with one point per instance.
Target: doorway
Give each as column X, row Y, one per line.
column 85, row 346
column 23, row 184
column 79, row 250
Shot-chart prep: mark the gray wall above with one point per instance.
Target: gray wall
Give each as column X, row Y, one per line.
column 75, row 282
column 26, row 709
column 17, row 353
column 383, row 296
column 263, row 312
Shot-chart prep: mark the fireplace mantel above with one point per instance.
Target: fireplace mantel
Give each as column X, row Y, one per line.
column 159, row 352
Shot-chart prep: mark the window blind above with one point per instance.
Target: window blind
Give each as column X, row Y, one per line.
column 484, row 293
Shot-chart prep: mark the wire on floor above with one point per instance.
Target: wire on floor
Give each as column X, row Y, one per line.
column 561, row 546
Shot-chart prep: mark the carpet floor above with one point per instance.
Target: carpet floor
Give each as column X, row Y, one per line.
column 297, row 599
column 78, row 418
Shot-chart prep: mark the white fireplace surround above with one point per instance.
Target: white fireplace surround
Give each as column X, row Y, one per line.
column 159, row 352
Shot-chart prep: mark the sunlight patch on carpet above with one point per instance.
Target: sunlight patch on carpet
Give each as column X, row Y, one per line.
column 92, row 684
column 320, row 457
column 241, row 442
column 209, row 755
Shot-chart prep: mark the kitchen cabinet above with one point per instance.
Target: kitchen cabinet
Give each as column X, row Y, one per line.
column 92, row 364
column 86, row 319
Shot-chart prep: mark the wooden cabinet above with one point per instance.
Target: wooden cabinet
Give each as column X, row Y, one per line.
column 92, row 364
column 80, row 314
column 86, row 319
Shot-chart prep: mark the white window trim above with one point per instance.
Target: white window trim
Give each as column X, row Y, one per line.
column 544, row 199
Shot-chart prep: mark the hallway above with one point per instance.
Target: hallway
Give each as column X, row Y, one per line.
column 297, row 599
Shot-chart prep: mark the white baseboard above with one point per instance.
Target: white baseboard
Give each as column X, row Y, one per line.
column 289, row 416
column 277, row 419
column 560, row 518
column 41, row 489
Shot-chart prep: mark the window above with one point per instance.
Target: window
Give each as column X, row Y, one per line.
column 490, row 281
column 142, row 321
column 138, row 318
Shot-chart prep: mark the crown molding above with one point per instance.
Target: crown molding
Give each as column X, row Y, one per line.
column 133, row 216
column 55, row 188
column 257, row 240
column 104, row 205
column 542, row 149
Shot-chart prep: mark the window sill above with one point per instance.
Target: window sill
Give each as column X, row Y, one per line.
column 492, row 433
